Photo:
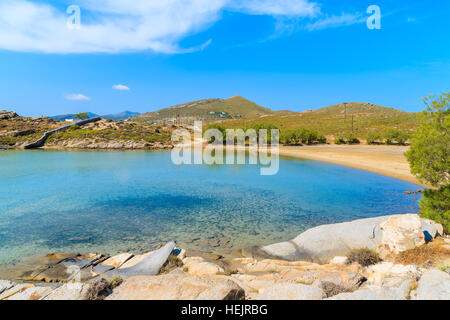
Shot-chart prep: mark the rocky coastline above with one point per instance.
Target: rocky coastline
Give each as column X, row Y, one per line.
column 401, row 257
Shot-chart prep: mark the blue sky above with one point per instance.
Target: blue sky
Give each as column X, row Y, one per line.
column 288, row 54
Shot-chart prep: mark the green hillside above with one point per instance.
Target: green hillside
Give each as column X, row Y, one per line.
column 208, row 110
column 362, row 117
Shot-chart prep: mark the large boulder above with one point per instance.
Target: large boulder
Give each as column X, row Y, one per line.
column 434, row 285
column 149, row 266
column 177, row 287
column 5, row 285
column 387, row 234
column 34, row 293
column 15, row 289
column 290, row 291
column 117, row 261
column 400, row 233
column 69, row 291
column 396, row 291
column 377, row 273
column 199, row 266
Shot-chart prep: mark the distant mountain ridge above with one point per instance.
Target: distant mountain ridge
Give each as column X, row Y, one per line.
column 122, row 116
column 235, row 107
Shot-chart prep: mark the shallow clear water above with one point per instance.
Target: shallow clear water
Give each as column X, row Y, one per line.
column 110, row 202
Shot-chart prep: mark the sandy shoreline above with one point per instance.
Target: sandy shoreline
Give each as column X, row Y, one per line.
column 385, row 160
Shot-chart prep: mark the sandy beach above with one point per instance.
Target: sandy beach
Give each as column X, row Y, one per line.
column 385, row 160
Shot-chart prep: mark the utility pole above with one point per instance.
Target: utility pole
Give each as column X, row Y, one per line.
column 345, row 112
column 352, row 124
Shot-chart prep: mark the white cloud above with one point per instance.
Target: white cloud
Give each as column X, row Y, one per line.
column 112, row 26
column 290, row 8
column 121, row 87
column 77, row 97
column 345, row 19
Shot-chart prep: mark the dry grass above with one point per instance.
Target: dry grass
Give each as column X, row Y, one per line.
column 433, row 251
column 172, row 263
column 363, row 256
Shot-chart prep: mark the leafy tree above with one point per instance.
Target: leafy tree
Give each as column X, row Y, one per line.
column 268, row 127
column 82, row 116
column 373, row 137
column 218, row 127
column 347, row 137
column 429, row 158
column 302, row 135
column 435, row 205
column 395, row 136
column 429, row 155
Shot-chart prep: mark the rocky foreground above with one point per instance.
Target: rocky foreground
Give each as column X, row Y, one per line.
column 404, row 257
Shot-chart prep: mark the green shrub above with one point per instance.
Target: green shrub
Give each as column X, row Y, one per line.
column 350, row 138
column 321, row 139
column 395, row 136
column 172, row 263
column 373, row 137
column 302, row 136
column 116, row 281
column 435, row 205
column 218, row 127
column 364, row 257
column 339, row 139
column 346, row 138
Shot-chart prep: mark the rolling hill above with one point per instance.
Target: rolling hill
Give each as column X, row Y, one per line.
column 208, row 110
column 357, row 116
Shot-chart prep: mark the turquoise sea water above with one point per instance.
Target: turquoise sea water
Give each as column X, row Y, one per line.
column 111, row 202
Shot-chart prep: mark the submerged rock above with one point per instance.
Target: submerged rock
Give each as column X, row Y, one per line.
column 63, row 266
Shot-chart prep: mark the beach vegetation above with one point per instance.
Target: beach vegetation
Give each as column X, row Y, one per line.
column 429, row 158
column 395, row 136
column 432, row 251
column 82, row 116
column 364, row 256
column 172, row 263
column 346, row 138
column 373, row 137
column 302, row 136
column 116, row 281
